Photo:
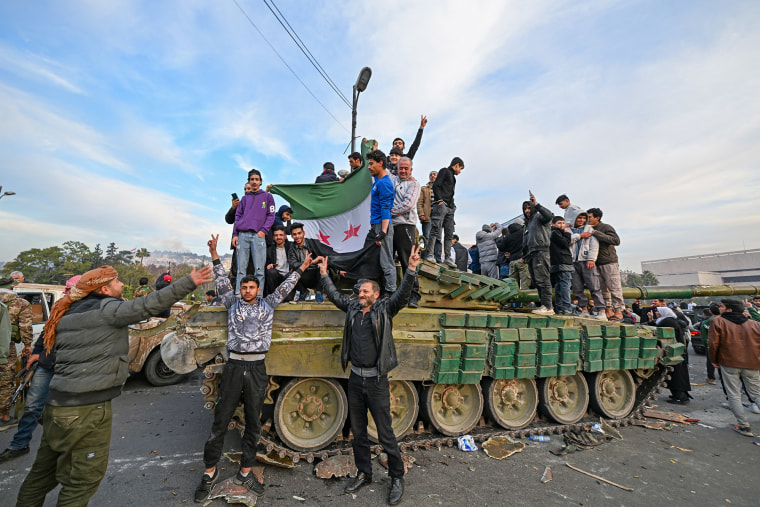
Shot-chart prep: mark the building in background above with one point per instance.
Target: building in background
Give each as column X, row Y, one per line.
column 738, row 268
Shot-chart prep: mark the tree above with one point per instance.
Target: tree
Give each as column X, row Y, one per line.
column 40, row 265
column 97, row 257
column 646, row 279
column 111, row 252
column 142, row 253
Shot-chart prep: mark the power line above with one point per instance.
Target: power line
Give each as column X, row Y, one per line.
column 302, row 46
column 288, row 66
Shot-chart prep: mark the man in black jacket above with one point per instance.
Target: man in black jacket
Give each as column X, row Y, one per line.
column 460, row 252
column 443, row 207
column 368, row 345
column 561, row 266
column 296, row 256
column 399, row 143
column 536, row 248
column 513, row 244
column 278, row 267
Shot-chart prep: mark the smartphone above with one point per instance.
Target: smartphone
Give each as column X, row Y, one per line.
column 530, row 194
column 234, row 196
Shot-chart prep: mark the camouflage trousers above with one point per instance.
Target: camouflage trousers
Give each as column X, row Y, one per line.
column 73, row 452
column 7, row 382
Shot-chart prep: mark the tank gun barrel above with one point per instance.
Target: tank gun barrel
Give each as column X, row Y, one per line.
column 667, row 292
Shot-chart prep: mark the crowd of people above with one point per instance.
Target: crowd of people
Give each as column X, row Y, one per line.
column 84, row 346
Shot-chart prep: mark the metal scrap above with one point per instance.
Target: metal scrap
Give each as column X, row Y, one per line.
column 547, row 475
column 407, row 459
column 234, row 493
column 273, row 458
column 337, row 466
column 500, row 447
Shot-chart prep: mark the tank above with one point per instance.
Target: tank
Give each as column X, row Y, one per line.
column 464, row 366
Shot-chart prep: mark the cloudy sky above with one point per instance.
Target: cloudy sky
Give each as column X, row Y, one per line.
column 133, row 121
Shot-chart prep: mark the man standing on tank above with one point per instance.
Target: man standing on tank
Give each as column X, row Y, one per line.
column 249, row 322
column 536, row 248
column 253, row 218
column 443, row 208
column 381, row 204
column 368, row 345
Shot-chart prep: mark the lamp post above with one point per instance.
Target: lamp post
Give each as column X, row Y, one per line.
column 359, row 86
column 8, row 192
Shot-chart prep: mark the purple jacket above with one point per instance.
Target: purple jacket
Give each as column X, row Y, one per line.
column 254, row 213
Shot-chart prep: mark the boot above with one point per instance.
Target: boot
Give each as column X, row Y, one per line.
column 397, row 491
column 362, row 480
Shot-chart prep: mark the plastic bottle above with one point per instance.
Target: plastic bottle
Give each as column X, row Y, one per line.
column 540, row 438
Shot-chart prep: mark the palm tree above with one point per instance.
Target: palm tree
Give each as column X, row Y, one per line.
column 142, row 253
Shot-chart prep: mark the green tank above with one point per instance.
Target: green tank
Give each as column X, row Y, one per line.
column 464, row 365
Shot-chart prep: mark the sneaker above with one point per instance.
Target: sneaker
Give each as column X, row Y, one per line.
column 450, row 263
column 725, row 405
column 755, row 409
column 319, row 298
column 711, row 381
column 581, row 313
column 743, row 430
column 429, row 258
column 542, row 310
column 599, row 316
column 8, row 424
column 207, row 484
column 251, row 482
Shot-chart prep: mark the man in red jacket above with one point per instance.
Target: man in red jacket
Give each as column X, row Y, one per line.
column 734, row 347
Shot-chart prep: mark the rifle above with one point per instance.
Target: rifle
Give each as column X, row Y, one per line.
column 26, row 375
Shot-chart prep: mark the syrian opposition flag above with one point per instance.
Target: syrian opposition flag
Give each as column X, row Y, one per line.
column 336, row 218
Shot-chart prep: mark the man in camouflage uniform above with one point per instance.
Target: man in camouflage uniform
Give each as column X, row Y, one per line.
column 143, row 290
column 20, row 312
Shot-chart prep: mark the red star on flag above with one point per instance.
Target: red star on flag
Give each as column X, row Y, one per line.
column 352, row 232
column 322, row 238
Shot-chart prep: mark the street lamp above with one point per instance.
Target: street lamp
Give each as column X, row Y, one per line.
column 360, row 86
column 14, row 193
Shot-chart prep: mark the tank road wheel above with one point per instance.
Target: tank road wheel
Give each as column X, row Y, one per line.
column 564, row 399
column 512, row 403
column 453, row 409
column 404, row 409
column 310, row 413
column 613, row 393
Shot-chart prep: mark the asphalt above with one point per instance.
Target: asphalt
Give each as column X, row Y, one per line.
column 158, row 436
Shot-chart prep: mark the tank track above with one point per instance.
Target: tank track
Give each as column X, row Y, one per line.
column 646, row 389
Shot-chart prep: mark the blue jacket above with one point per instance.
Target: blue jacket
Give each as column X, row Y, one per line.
column 381, row 204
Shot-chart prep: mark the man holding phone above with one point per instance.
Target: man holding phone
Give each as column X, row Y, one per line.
column 253, row 218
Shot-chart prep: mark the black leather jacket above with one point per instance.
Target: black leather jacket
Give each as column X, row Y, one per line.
column 381, row 313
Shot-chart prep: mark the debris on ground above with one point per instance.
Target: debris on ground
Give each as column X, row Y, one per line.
column 653, row 425
column 274, row 459
column 668, row 416
column 598, row 478
column 236, row 493
column 681, row 448
column 547, row 475
column 580, row 440
column 407, row 459
column 501, row 447
column 341, row 465
column 466, row 443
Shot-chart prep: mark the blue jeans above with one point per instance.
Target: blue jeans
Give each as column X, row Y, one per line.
column 35, row 403
column 251, row 245
column 562, row 291
column 425, row 230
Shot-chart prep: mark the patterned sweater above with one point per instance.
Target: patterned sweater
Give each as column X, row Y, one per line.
column 249, row 325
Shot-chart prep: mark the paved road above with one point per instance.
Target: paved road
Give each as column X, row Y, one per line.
column 158, row 437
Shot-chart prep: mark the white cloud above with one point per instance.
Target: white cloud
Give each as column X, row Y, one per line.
column 36, row 66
